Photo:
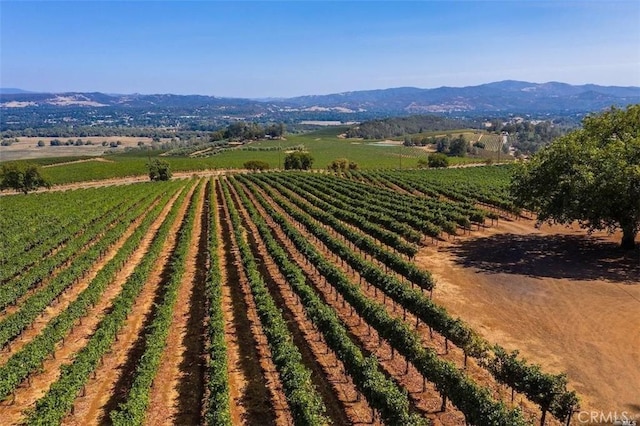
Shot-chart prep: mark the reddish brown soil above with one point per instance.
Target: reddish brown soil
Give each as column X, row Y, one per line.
column 77, row 338
column 424, row 400
column 181, row 361
column 101, row 388
column 564, row 299
column 71, row 293
column 237, row 377
column 430, row 339
column 328, row 373
column 254, row 382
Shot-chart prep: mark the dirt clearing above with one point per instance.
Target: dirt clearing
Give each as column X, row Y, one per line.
column 566, row 300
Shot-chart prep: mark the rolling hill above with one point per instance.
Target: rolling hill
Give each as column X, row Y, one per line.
column 499, row 97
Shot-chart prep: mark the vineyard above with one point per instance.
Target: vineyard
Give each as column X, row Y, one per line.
column 267, row 298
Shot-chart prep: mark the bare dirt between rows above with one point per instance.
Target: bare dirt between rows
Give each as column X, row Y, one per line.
column 177, row 389
column 338, row 392
column 237, row 380
column 71, row 293
column 107, row 386
column 253, row 389
column 37, row 386
column 431, row 339
column 423, row 399
column 566, row 300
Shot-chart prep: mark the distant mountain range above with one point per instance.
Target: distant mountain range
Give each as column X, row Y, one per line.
column 499, row 97
column 492, row 97
column 12, row 91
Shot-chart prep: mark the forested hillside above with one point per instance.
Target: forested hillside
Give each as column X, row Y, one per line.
column 390, row 127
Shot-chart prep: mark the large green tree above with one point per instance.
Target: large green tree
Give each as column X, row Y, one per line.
column 591, row 175
column 22, row 177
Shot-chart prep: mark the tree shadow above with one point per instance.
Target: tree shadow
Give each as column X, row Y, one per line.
column 550, row 256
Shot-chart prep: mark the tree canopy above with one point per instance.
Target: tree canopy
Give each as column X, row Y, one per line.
column 159, row 170
column 591, row 175
column 298, row 161
column 22, row 177
column 398, row 126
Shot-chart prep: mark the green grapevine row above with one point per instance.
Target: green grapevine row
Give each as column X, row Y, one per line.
column 133, row 410
column 474, row 401
column 12, row 325
column 24, row 224
column 347, row 204
column 413, row 300
column 58, row 401
column 307, row 407
column 396, row 263
column 33, row 354
column 217, row 405
column 10, row 292
column 386, row 237
column 381, row 393
column 337, row 190
column 53, row 238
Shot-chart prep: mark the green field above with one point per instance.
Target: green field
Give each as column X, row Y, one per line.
column 324, row 145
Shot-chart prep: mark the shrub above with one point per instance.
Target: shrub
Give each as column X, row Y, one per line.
column 438, row 160
column 256, row 165
column 159, row 170
column 298, row 161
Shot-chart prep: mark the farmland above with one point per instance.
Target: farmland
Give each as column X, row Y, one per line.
column 26, row 148
column 324, row 145
column 280, row 298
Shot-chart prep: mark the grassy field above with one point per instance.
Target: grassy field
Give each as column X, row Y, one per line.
column 324, row 145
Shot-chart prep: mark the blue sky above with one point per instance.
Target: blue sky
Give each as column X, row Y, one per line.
column 269, row 48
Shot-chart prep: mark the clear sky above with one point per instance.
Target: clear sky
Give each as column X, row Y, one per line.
column 270, row 48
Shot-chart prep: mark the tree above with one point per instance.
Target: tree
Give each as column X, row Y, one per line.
column 458, row 147
column 22, row 177
column 159, row 170
column 276, row 130
column 298, row 161
column 442, row 144
column 591, row 175
column 437, row 160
